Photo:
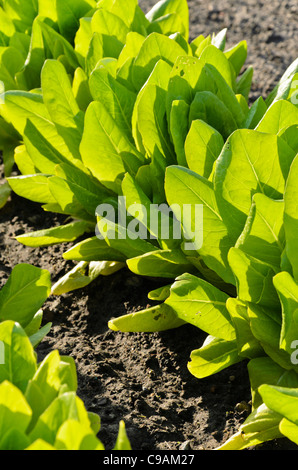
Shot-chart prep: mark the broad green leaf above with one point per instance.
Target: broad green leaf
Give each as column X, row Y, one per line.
column 203, row 145
column 215, row 57
column 47, row 148
column 152, row 125
column 266, row 327
column 289, row 430
column 253, row 279
column 247, row 344
column 15, row 413
column 113, row 31
column 57, row 94
column 165, row 7
column 66, row 406
column 212, row 80
column 148, row 119
column 33, row 187
column 19, row 359
column 82, row 39
column 201, row 304
column 263, row 234
column 161, row 263
column 263, row 370
column 280, row 114
column 19, row 106
column 81, row 90
column 255, row 114
column 291, row 217
column 85, row 188
column 124, row 10
column 11, row 62
column 209, row 108
column 72, row 435
column 83, row 274
column 167, row 25
column 95, row 53
column 290, row 135
column 158, row 318
column 24, row 162
column 192, row 193
column 29, row 77
column 93, row 249
column 201, row 44
column 68, row 14
column 54, row 375
column 61, row 104
column 281, row 400
column 117, row 99
column 287, row 290
column 237, row 56
column 214, row 355
column 22, row 14
column 103, row 145
column 14, row 440
column 53, row 236
column 250, row 162
column 8, row 29
column 183, row 81
column 131, row 48
column 58, row 45
column 179, row 128
column 66, row 199
column 123, row 237
column 155, row 47
column 24, row 293
column 157, row 219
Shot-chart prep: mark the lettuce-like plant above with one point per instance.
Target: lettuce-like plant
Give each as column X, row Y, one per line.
column 245, row 297
column 40, row 409
column 22, row 298
column 75, row 156
column 31, row 32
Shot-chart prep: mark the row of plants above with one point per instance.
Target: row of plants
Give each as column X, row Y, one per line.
column 121, row 123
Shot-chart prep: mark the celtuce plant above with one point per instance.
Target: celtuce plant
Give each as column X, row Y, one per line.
column 137, row 117
column 61, row 137
column 39, row 406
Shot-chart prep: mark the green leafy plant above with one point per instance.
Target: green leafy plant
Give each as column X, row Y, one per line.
column 74, row 156
column 22, row 298
column 39, row 407
column 31, row 32
column 245, row 297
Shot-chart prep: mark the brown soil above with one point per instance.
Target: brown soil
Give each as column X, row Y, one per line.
column 143, row 378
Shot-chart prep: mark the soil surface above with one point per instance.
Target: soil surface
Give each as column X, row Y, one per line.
column 143, row 378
